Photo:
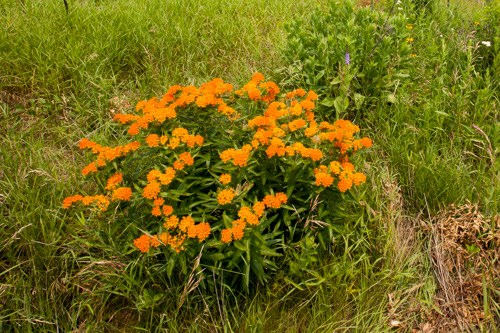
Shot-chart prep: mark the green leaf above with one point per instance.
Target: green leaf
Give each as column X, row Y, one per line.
column 293, row 284
column 341, row 104
column 402, row 75
column 391, row 98
column 358, row 100
column 264, row 250
column 335, row 81
column 328, row 102
column 216, row 256
column 170, row 266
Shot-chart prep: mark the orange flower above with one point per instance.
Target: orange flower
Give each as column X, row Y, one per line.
column 311, row 95
column 358, row 178
column 153, row 140
column 199, row 140
column 178, row 165
column 163, row 139
column 239, row 157
column 151, row 190
column 246, row 214
column 124, row 118
column 158, row 201
column 167, row 210
column 122, row 193
column 114, row 180
column 226, row 236
column 174, row 143
column 180, row 132
column 200, row 230
column 366, row 142
column 133, row 129
column 225, row 178
column 154, row 241
column 186, row 158
column 100, row 201
column 334, row 167
column 281, row 197
column 142, row 243
column 323, row 179
column 238, row 229
column 344, row 184
column 225, row 196
column 153, row 175
column 92, row 167
column 259, row 208
column 167, row 177
column 275, row 201
column 69, row 201
column 156, row 211
column 186, row 223
column 307, row 104
column 171, row 222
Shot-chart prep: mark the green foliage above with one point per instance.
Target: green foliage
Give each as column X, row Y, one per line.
column 249, row 160
column 488, row 41
column 436, row 142
column 375, row 41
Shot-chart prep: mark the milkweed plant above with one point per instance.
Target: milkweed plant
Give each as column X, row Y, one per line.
column 224, row 175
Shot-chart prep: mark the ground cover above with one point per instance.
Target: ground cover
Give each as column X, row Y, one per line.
column 427, row 216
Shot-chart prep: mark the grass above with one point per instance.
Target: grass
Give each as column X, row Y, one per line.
column 63, row 75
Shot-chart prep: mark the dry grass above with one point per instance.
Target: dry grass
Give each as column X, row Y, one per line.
column 464, row 252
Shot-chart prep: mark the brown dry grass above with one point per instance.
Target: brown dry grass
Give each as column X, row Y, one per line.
column 464, row 252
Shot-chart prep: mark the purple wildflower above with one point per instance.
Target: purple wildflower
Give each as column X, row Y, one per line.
column 347, row 58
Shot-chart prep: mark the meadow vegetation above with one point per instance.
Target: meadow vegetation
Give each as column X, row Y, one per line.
column 421, row 79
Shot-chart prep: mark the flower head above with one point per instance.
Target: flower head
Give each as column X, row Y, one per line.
column 225, row 196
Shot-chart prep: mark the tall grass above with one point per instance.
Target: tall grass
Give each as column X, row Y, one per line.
column 440, row 133
column 60, row 74
column 102, row 47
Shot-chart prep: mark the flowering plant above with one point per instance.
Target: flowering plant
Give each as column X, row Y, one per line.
column 222, row 174
column 351, row 57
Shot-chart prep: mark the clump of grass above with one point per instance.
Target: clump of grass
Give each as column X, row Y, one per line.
column 101, row 47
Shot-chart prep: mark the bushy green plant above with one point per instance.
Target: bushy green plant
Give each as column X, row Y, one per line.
column 350, row 56
column 488, row 39
column 224, row 176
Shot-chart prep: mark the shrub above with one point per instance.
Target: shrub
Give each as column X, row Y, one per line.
column 226, row 176
column 350, row 56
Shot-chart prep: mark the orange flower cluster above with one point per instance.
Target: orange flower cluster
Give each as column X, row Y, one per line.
column 225, row 178
column 279, row 132
column 238, row 157
column 114, row 180
column 280, row 119
column 295, row 114
column 343, row 170
column 341, row 133
column 155, row 179
column 157, row 111
column 183, row 229
column 105, row 154
column 184, row 159
column 100, row 201
column 179, row 135
column 275, row 201
column 145, row 242
column 225, row 196
column 122, row 193
column 254, row 88
column 251, row 216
